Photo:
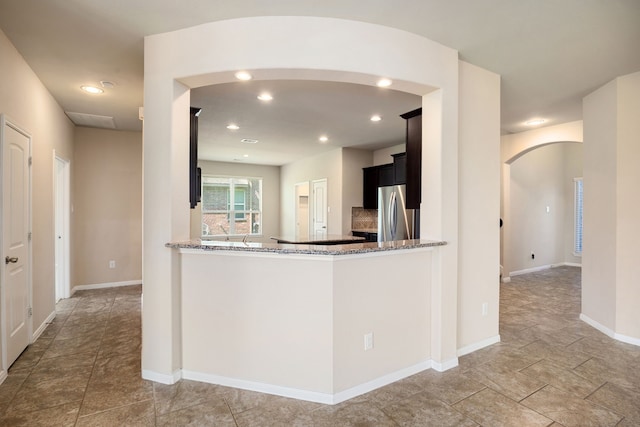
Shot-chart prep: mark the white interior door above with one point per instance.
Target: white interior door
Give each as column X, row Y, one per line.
column 62, row 214
column 320, row 210
column 16, row 264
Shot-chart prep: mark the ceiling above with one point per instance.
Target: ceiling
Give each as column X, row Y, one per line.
column 549, row 53
column 289, row 126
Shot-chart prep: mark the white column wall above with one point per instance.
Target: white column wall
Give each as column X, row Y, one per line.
column 599, row 217
column 479, row 195
column 628, row 221
column 610, row 271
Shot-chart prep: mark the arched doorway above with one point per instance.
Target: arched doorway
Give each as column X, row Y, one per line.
column 538, row 207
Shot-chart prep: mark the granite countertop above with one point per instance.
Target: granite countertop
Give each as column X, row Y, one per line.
column 365, row 230
column 312, row 249
column 330, row 239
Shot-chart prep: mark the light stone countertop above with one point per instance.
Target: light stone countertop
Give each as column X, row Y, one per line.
column 281, row 248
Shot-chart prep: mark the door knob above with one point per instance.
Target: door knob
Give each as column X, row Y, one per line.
column 8, row 260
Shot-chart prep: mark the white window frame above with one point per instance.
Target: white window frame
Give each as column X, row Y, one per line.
column 578, row 211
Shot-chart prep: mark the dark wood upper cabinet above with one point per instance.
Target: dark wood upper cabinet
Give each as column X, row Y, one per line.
column 399, row 168
column 385, row 173
column 414, row 157
column 370, row 181
column 372, row 178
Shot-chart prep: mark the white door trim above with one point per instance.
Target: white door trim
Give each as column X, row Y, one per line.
column 5, row 122
column 63, row 290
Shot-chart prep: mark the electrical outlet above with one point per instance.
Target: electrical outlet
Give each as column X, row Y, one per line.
column 485, row 308
column 368, row 341
column 112, row 264
column 533, row 256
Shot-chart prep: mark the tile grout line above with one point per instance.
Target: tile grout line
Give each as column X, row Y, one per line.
column 93, row 367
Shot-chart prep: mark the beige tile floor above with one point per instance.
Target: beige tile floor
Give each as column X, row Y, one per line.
column 549, row 369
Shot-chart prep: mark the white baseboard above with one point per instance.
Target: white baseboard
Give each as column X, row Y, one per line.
column 162, row 378
column 43, row 326
column 530, row 270
column 3, row 375
column 445, row 366
column 477, row 346
column 541, row 268
column 506, row 279
column 382, row 381
column 609, row 332
column 572, row 264
column 311, row 396
column 105, row 285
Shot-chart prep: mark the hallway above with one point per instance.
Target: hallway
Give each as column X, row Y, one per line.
column 549, row 369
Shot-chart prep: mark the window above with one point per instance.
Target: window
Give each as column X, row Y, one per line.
column 577, row 231
column 231, row 206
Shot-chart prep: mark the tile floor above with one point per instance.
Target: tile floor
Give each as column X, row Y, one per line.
column 549, row 369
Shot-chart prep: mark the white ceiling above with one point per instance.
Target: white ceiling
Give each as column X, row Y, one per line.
column 289, row 126
column 550, row 54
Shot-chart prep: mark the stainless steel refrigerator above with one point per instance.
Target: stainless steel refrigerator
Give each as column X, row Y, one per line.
column 395, row 222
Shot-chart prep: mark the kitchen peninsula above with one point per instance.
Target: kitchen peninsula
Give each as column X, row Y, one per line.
column 322, row 323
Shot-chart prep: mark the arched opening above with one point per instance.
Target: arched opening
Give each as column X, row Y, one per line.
column 538, row 207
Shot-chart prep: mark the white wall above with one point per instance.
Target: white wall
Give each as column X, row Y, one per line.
column 628, row 293
column 479, row 180
column 306, row 341
column 322, row 166
column 108, row 207
column 25, row 100
column 270, row 193
column 385, row 155
column 352, row 187
column 610, row 271
column 600, row 206
column 539, row 179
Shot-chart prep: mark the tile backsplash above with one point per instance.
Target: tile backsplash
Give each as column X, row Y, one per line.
column 364, row 219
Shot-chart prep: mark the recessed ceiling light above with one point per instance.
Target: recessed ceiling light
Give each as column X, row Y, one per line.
column 265, row 97
column 91, row 89
column 375, row 118
column 107, row 84
column 384, row 83
column 323, row 138
column 245, row 155
column 249, row 141
column 243, row 75
column 535, row 122
column 232, row 126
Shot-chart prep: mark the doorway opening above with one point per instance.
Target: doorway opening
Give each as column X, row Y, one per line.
column 538, row 203
column 302, row 209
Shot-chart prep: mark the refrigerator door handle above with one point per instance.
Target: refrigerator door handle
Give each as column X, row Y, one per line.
column 393, row 215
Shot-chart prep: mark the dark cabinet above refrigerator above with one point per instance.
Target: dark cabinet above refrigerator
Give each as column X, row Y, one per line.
column 377, row 176
column 414, row 157
column 372, row 178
